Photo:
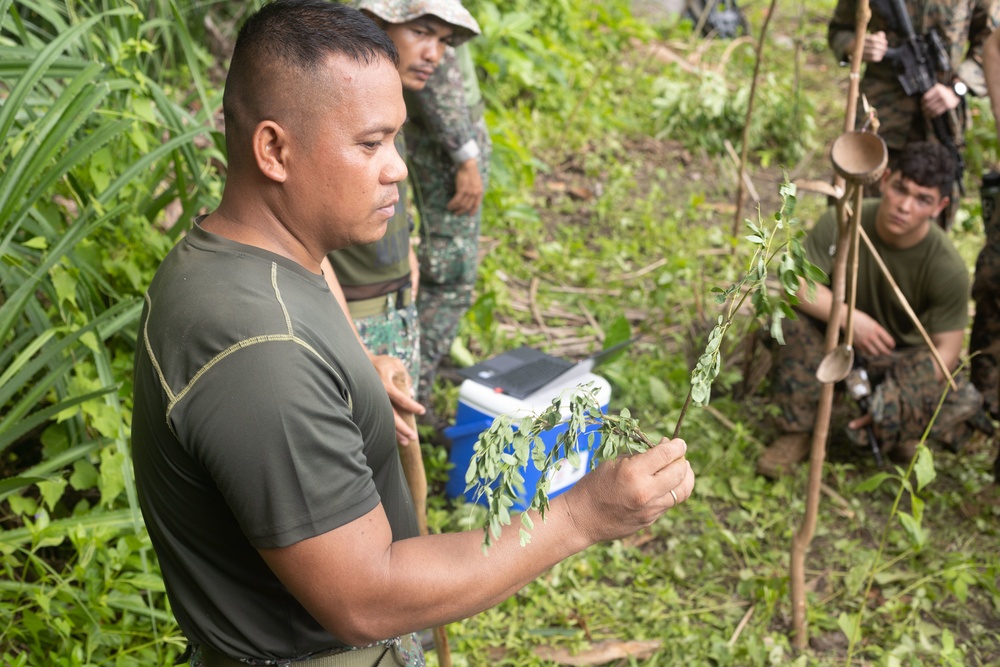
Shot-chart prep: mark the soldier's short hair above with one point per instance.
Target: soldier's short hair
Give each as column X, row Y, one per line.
column 928, row 164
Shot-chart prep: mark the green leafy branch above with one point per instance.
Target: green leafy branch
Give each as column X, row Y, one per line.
column 506, row 448
column 503, row 451
column 781, row 242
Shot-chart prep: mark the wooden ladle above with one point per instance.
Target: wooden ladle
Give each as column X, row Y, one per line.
column 861, row 158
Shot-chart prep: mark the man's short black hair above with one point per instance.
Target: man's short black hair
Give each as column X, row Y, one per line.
column 305, row 32
column 928, row 164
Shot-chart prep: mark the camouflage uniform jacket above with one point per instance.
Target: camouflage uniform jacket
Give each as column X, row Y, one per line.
column 963, row 26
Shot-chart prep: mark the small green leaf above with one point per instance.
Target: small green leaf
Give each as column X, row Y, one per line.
column 776, row 333
column 923, row 467
column 916, row 534
column 85, row 475
column 112, row 475
column 65, row 284
column 52, row 491
column 873, row 482
column 36, row 243
column 847, row 625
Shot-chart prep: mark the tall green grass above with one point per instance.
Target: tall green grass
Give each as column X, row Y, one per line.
column 94, row 151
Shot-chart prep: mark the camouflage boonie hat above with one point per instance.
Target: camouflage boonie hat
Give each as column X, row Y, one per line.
column 402, row 11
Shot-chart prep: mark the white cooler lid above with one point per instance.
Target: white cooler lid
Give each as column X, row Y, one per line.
column 489, row 401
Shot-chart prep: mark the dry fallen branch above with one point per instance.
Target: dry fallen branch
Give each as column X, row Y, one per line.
column 597, row 291
column 666, row 55
column 601, row 652
column 644, row 270
column 535, row 312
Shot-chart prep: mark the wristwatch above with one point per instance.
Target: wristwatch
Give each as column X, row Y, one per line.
column 959, row 87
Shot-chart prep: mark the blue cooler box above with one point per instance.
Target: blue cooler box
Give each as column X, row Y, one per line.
column 479, row 405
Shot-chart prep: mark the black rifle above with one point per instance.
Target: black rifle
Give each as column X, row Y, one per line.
column 918, row 59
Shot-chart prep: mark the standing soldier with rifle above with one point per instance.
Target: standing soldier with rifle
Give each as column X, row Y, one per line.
column 923, row 58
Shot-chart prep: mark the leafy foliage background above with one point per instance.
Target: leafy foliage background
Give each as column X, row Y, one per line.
column 110, row 142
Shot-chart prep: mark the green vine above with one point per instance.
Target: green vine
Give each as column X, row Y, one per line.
column 504, row 450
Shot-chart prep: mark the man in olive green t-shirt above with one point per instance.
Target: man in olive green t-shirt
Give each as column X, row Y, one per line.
column 935, row 281
column 265, row 460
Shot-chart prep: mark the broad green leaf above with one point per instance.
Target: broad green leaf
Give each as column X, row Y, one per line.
column 872, row 482
column 848, row 626
column 923, row 467
column 52, row 491
column 85, row 475
column 916, row 534
column 112, row 477
column 65, row 284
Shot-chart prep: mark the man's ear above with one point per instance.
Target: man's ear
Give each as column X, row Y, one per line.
column 270, row 150
column 942, row 205
column 884, row 181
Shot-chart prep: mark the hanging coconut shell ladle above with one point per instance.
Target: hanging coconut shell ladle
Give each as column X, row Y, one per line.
column 860, row 157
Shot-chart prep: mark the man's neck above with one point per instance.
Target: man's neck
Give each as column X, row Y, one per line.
column 258, row 226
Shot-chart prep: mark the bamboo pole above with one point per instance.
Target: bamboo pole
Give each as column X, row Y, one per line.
column 821, row 429
column 416, row 479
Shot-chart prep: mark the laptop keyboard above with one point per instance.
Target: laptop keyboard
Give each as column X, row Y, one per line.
column 532, row 375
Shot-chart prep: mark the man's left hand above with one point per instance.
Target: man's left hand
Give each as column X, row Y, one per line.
column 387, row 367
column 468, row 188
column 938, row 100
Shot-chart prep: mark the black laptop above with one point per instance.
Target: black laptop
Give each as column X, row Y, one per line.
column 524, row 371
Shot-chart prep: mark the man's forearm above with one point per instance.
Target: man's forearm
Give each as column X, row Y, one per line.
column 363, row 587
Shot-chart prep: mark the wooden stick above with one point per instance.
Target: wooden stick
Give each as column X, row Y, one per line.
column 743, row 172
column 824, row 410
column 909, row 311
column 855, row 229
column 416, row 479
column 644, row 270
column 413, row 461
column 742, row 624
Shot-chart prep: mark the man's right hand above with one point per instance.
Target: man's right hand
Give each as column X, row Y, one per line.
column 387, row 368
column 468, row 188
column 875, row 47
column 621, row 497
column 870, row 337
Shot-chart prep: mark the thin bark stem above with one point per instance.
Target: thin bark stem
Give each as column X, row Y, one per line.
column 745, row 149
column 803, row 537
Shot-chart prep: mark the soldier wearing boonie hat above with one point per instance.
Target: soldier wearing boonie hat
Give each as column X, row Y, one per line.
column 404, row 11
column 449, row 165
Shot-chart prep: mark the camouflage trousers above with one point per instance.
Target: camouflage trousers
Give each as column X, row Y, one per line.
column 905, row 392
column 402, row 651
column 448, row 250
column 396, row 333
column 985, row 336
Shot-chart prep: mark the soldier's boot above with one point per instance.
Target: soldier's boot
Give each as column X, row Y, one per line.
column 781, row 456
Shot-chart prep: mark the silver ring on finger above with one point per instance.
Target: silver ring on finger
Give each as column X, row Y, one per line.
column 674, row 495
